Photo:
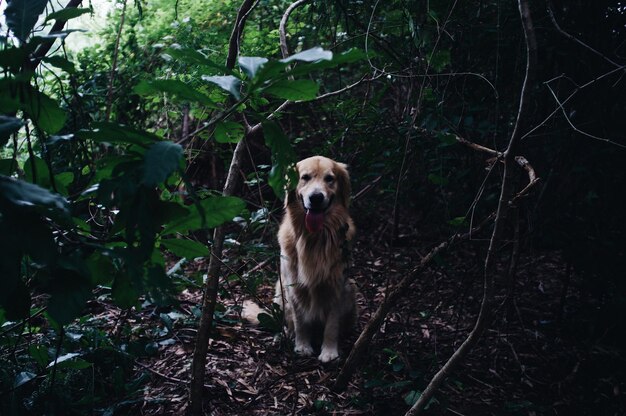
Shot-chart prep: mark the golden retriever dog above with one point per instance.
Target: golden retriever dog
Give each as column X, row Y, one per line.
column 313, row 236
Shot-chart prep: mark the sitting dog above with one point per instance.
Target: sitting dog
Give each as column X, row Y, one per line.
column 313, row 237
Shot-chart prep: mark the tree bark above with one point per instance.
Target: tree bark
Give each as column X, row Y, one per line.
column 209, row 297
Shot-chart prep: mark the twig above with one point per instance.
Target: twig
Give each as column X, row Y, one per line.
column 576, row 129
column 575, row 39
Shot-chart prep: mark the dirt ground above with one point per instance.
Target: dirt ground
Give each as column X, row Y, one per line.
column 540, row 356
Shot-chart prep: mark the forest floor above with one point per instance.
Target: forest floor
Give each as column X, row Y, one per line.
column 539, row 356
column 543, row 353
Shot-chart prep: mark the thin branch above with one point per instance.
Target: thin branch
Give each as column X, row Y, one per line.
column 209, row 297
column 114, row 64
column 485, row 312
column 43, row 49
column 372, row 327
column 576, row 129
column 284, row 49
column 569, row 97
column 575, row 39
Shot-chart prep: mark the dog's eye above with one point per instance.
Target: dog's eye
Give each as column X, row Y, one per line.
column 329, row 178
column 305, row 177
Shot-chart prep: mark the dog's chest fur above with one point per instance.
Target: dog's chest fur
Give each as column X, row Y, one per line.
column 320, row 267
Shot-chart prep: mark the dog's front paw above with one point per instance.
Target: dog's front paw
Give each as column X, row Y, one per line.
column 304, row 350
column 328, row 354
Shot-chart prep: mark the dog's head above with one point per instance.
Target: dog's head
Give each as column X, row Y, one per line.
column 322, row 183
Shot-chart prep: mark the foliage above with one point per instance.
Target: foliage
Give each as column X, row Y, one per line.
column 99, row 184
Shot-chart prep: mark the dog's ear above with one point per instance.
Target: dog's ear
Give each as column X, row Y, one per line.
column 343, row 183
column 290, row 194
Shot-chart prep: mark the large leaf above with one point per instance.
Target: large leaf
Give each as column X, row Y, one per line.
column 44, row 111
column 160, row 160
column 68, row 295
column 8, row 167
column 36, row 171
column 298, row 90
column 228, row 132
column 208, row 213
column 251, row 64
column 20, row 194
column 117, row 133
column 69, row 13
column 185, row 248
column 61, row 63
column 174, row 87
column 21, row 16
column 8, row 125
column 310, row 55
column 192, row 56
column 228, row 83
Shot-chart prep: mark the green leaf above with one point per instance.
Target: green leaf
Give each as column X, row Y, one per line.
column 457, row 222
column 160, row 160
column 8, row 167
column 439, row 60
column 310, row 55
column 39, row 352
column 67, row 14
column 23, row 378
column 21, row 16
column 437, row 179
column 123, row 291
column 446, row 139
column 176, row 88
column 299, row 90
column 36, row 171
column 9, row 125
column 228, row 83
column 61, row 63
column 213, row 210
column 44, row 111
column 283, row 158
column 13, row 58
column 20, row 194
column 117, row 133
column 228, row 132
column 192, row 56
column 185, row 248
column 412, row 397
column 68, row 294
column 251, row 64
column 62, row 181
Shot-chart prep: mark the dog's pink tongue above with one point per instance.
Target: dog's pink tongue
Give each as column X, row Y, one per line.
column 314, row 221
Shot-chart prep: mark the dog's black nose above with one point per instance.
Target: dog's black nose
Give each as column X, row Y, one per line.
column 316, row 200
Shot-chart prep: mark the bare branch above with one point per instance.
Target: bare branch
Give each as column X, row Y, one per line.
column 576, row 129
column 575, row 39
column 505, row 191
column 284, row 49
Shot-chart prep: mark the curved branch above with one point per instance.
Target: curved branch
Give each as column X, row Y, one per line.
column 283, row 23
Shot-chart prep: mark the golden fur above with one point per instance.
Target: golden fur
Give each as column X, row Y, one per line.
column 312, row 288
